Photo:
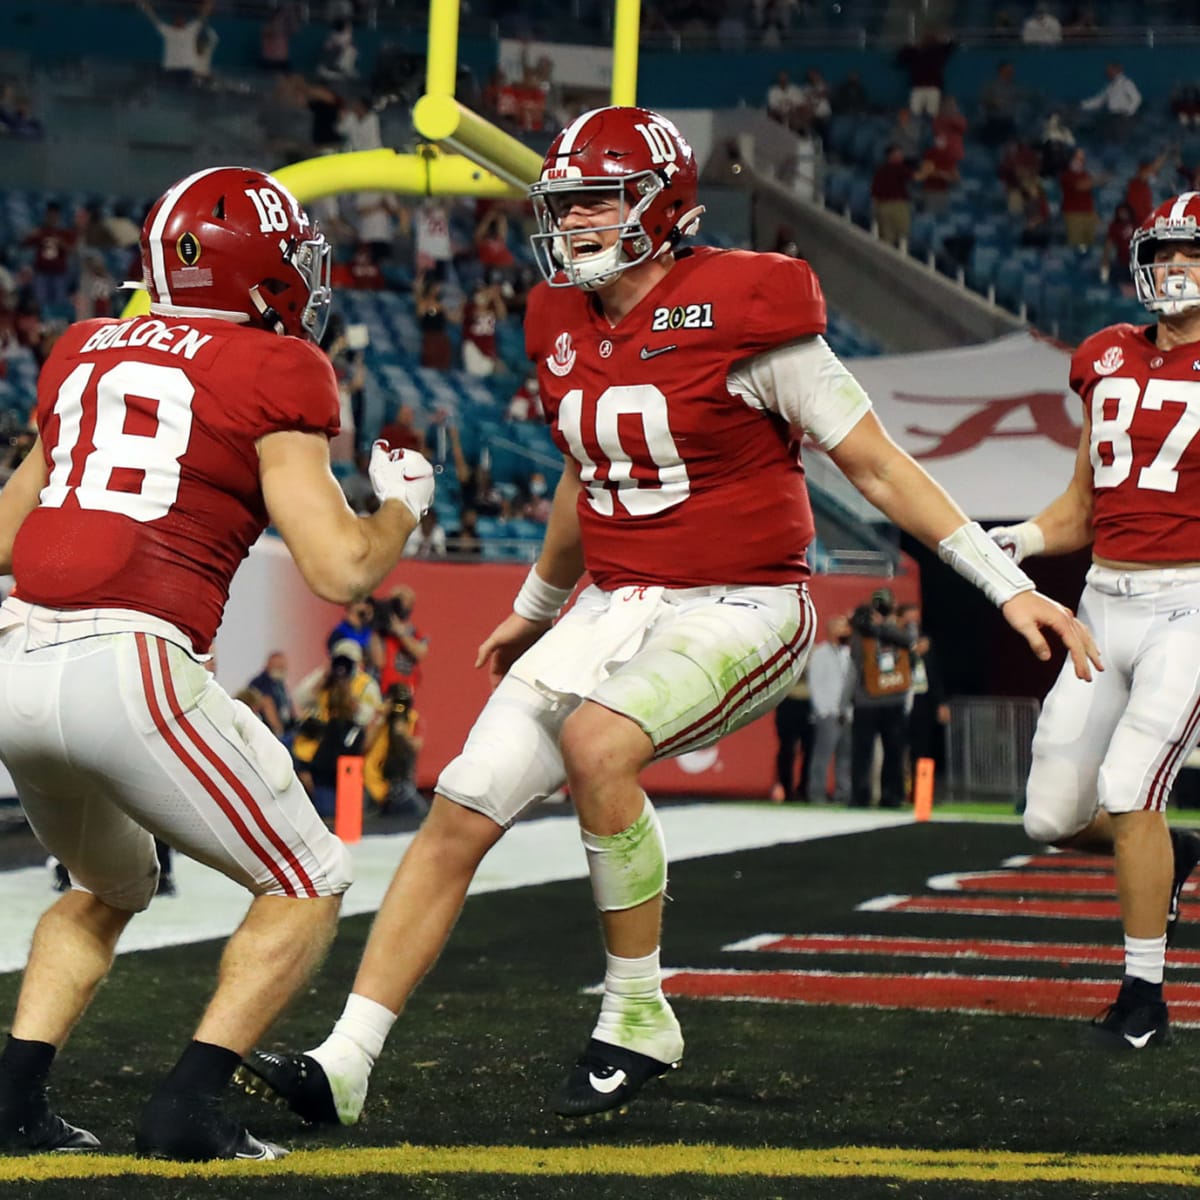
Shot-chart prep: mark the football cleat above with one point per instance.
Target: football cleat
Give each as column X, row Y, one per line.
column 1136, row 1021
column 192, row 1128
column 605, row 1077
column 30, row 1125
column 1185, row 847
column 297, row 1079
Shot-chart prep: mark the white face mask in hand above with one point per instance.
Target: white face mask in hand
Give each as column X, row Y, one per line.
column 403, row 475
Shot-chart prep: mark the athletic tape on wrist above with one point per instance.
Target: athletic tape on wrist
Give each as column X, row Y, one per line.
column 978, row 559
column 538, row 600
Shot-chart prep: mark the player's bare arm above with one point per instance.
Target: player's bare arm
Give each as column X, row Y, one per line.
column 557, row 570
column 906, row 494
column 19, row 499
column 342, row 556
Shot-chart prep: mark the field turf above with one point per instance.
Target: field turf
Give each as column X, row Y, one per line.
column 774, row 1099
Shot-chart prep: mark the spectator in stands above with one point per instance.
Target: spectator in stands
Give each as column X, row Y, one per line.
column 491, row 240
column 830, row 682
column 356, row 621
column 1115, row 256
column 375, row 217
column 17, row 120
column 359, row 125
column 94, row 290
column 538, row 504
column 338, row 59
column 1019, row 159
column 275, row 705
column 1117, row 102
column 998, row 106
column 526, row 402
column 356, row 486
column 1185, row 103
column 362, row 272
column 324, row 110
column 816, row 98
column 906, row 133
column 338, row 706
column 484, row 311
column 890, row 197
column 433, row 318
column 925, row 62
column 390, row 762
column 1079, row 202
column 466, row 543
column 275, row 38
column 397, row 647
column 283, row 117
column 93, row 232
column 1082, row 24
column 401, row 433
column 951, row 125
column 849, row 98
column 428, row 540
column 1139, row 191
column 938, row 176
column 1057, row 145
column 880, row 649
column 123, row 232
column 180, row 41
column 1036, row 215
column 206, row 45
column 54, row 247
column 432, row 239
column 785, row 101
column 1042, row 28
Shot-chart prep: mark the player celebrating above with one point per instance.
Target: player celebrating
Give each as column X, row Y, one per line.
column 1105, row 757
column 165, row 444
column 671, row 379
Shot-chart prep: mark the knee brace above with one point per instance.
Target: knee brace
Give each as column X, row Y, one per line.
column 630, row 867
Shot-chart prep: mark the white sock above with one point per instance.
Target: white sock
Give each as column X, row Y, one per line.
column 1144, row 958
column 634, row 1012
column 363, row 1027
column 634, row 977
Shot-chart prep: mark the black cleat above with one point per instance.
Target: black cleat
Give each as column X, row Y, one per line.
column 298, row 1080
column 605, row 1077
column 1136, row 1021
column 29, row 1125
column 1185, row 847
column 192, row 1128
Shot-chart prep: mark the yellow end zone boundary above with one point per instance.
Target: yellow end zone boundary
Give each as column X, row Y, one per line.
column 842, row 1162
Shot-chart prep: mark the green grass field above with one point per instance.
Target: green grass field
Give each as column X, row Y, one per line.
column 773, row 1098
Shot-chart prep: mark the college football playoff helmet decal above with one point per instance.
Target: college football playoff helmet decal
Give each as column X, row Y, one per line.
column 233, row 242
column 634, row 156
column 1167, row 288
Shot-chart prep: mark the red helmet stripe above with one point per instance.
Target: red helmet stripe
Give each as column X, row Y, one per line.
column 170, row 200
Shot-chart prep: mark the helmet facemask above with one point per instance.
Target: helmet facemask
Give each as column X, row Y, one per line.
column 1166, row 288
column 311, row 260
column 555, row 250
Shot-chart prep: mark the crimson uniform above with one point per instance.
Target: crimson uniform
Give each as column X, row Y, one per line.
column 1119, row 741
column 110, row 724
column 685, row 484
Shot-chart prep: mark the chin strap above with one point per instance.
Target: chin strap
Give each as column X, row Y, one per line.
column 271, row 319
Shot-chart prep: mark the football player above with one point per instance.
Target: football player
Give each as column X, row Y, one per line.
column 672, row 379
column 1105, row 757
column 165, row 445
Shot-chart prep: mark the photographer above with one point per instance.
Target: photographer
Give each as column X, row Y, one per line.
column 339, row 705
column 397, row 647
column 880, row 649
column 390, row 765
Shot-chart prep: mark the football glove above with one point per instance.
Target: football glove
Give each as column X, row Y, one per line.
column 403, row 475
column 1019, row 541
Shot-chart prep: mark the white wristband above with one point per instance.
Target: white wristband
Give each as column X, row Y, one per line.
column 977, row 558
column 538, row 600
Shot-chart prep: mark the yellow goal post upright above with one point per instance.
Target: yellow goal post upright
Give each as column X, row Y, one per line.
column 482, row 160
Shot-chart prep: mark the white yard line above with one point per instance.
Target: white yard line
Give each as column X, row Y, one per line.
column 532, row 852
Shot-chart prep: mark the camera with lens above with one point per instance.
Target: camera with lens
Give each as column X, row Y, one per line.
column 883, row 601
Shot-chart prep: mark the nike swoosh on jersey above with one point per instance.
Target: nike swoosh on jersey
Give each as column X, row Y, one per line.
column 648, row 353
column 1139, row 1040
column 609, row 1085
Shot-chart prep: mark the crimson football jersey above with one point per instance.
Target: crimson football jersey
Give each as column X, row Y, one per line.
column 148, row 428
column 684, row 484
column 1144, row 405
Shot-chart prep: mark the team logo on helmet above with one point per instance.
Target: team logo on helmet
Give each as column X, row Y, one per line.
column 188, row 249
column 1111, row 361
column 562, row 361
